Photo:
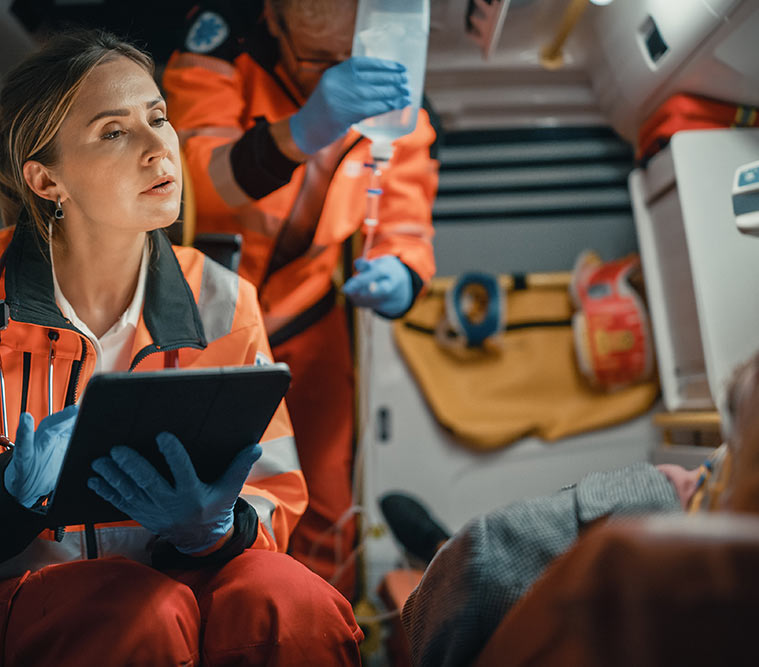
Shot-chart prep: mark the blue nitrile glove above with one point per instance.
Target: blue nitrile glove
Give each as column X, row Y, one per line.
column 38, row 455
column 383, row 284
column 192, row 515
column 357, row 88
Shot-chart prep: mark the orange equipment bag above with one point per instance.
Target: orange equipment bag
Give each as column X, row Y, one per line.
column 689, row 112
column 612, row 333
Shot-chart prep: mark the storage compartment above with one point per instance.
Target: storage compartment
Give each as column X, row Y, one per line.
column 640, row 52
column 701, row 273
column 669, row 286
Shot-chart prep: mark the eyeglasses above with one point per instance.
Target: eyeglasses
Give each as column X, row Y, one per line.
column 306, row 64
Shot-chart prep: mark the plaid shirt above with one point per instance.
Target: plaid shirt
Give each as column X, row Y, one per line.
column 492, row 562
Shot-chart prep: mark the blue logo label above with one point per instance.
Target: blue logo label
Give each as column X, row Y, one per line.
column 207, row 33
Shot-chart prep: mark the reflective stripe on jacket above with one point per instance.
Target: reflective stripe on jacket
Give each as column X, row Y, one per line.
column 219, row 97
column 194, row 309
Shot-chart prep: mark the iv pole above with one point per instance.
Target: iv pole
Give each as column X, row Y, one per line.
column 551, row 56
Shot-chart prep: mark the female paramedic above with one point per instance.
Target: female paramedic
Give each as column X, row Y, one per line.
column 90, row 173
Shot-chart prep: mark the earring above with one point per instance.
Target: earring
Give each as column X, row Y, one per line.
column 59, row 209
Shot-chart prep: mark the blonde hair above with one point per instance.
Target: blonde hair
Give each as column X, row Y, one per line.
column 34, row 101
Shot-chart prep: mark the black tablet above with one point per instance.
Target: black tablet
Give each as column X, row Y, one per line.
column 215, row 412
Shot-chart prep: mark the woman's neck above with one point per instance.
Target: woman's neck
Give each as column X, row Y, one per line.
column 97, row 273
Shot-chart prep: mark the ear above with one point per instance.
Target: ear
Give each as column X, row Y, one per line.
column 272, row 23
column 40, row 181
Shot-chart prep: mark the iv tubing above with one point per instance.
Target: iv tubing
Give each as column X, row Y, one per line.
column 373, row 193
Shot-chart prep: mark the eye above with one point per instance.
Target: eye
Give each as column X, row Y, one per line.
column 159, row 122
column 114, row 134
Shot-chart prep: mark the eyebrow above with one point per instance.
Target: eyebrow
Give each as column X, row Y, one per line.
column 123, row 112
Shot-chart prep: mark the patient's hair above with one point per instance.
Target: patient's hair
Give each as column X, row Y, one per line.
column 35, row 98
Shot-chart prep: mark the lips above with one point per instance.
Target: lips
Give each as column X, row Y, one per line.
column 159, row 184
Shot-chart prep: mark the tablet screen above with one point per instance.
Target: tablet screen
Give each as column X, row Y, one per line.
column 215, row 412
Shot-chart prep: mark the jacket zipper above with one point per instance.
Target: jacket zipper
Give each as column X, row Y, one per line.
column 153, row 349
column 73, row 388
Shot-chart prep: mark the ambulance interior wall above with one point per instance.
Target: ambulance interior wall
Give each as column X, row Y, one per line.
column 531, row 174
column 531, row 199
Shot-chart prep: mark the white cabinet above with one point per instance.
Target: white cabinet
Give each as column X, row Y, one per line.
column 701, row 273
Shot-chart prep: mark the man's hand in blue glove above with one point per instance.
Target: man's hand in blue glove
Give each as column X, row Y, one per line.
column 192, row 515
column 38, row 455
column 383, row 284
column 357, row 88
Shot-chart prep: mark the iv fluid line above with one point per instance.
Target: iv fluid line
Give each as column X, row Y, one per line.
column 373, row 194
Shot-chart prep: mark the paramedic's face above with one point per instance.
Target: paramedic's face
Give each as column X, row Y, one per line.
column 119, row 164
column 307, row 50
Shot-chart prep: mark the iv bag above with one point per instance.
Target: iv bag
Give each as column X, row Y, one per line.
column 395, row 30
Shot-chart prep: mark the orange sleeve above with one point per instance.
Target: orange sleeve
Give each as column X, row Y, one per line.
column 409, row 186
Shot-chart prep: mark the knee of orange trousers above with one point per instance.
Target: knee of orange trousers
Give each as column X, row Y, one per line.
column 266, row 608
column 109, row 611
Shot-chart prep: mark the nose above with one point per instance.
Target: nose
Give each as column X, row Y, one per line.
column 157, row 146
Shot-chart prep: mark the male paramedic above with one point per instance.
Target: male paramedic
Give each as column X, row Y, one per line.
column 263, row 94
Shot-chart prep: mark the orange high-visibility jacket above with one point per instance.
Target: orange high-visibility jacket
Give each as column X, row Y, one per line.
column 223, row 89
column 196, row 312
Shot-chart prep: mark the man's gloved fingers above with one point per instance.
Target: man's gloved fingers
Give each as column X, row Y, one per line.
column 361, row 281
column 370, row 64
column 381, row 288
column 374, row 294
column 239, row 469
column 178, row 459
column 369, row 79
column 349, row 287
column 376, row 104
column 378, row 107
column 363, row 299
column 371, row 109
column 353, row 288
column 361, row 264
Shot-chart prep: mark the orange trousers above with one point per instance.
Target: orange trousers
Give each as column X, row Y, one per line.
column 261, row 608
column 320, row 401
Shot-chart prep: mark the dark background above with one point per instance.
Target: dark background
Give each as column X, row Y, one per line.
column 155, row 25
